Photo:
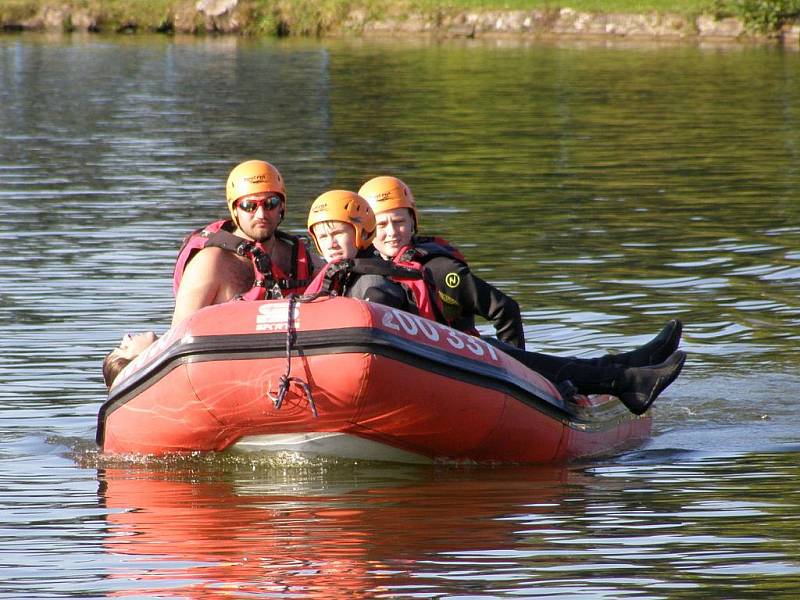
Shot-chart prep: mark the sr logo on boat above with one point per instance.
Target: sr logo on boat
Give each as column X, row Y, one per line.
column 272, row 316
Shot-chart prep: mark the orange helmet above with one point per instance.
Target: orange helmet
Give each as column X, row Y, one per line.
column 252, row 177
column 347, row 207
column 386, row 193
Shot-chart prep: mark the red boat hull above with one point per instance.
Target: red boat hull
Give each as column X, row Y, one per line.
column 367, row 381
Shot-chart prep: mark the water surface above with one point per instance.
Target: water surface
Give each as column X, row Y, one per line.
column 607, row 188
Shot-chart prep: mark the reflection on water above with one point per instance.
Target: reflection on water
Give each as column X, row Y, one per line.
column 607, row 189
column 307, row 537
column 610, row 531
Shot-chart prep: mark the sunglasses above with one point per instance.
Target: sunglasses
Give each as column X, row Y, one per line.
column 251, row 206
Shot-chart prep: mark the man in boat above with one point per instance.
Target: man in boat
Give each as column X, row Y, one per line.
column 464, row 295
column 246, row 256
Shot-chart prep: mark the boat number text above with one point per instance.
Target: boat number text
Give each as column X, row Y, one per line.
column 398, row 320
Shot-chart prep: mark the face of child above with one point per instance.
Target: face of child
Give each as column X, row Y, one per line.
column 337, row 240
column 394, row 230
column 132, row 344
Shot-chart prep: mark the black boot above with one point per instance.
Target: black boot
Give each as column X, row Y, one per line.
column 641, row 385
column 653, row 352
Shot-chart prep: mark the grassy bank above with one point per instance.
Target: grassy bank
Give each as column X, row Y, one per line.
column 318, row 17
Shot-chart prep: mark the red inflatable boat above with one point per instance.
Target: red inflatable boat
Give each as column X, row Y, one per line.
column 351, row 379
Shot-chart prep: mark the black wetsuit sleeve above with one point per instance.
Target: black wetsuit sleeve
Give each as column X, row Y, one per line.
column 375, row 288
column 470, row 295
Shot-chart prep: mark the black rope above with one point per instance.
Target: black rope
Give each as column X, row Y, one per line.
column 286, row 380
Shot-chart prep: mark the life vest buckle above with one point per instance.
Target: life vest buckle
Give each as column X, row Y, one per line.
column 275, row 291
column 244, row 248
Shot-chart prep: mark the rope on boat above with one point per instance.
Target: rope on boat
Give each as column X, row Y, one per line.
column 286, row 379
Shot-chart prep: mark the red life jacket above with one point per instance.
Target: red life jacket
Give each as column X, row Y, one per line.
column 270, row 281
column 318, row 285
column 412, row 277
column 423, row 289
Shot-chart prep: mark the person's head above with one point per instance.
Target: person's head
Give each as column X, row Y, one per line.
column 128, row 349
column 256, row 199
column 395, row 213
column 341, row 223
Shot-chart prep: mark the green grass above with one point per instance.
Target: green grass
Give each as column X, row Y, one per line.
column 151, row 11
column 108, row 12
column 600, row 6
column 316, row 17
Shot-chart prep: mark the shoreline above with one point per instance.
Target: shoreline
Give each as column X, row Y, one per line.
column 571, row 24
column 232, row 17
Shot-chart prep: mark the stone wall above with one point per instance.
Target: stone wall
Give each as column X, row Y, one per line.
column 227, row 16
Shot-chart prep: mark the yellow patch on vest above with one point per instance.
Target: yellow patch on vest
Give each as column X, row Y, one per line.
column 452, row 280
column 447, row 299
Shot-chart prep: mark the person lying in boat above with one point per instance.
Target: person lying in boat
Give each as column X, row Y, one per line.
column 465, row 295
column 128, row 349
column 246, row 256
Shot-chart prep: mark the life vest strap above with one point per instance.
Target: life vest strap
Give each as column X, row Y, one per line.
column 336, row 275
column 270, row 281
column 424, row 248
column 377, row 266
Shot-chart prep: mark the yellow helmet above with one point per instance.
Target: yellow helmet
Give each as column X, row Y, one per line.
column 386, row 193
column 347, row 207
column 252, row 177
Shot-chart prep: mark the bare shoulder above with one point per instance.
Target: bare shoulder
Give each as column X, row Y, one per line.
column 223, row 266
column 212, row 257
column 212, row 276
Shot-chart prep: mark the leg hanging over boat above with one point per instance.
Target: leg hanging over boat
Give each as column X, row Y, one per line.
column 636, row 386
column 654, row 352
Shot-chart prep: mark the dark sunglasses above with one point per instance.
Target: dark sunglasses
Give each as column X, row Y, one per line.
column 251, row 206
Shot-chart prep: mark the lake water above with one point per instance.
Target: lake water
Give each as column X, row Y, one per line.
column 606, row 187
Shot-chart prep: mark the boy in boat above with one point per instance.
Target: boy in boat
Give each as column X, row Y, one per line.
column 342, row 225
column 465, row 295
column 462, row 294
